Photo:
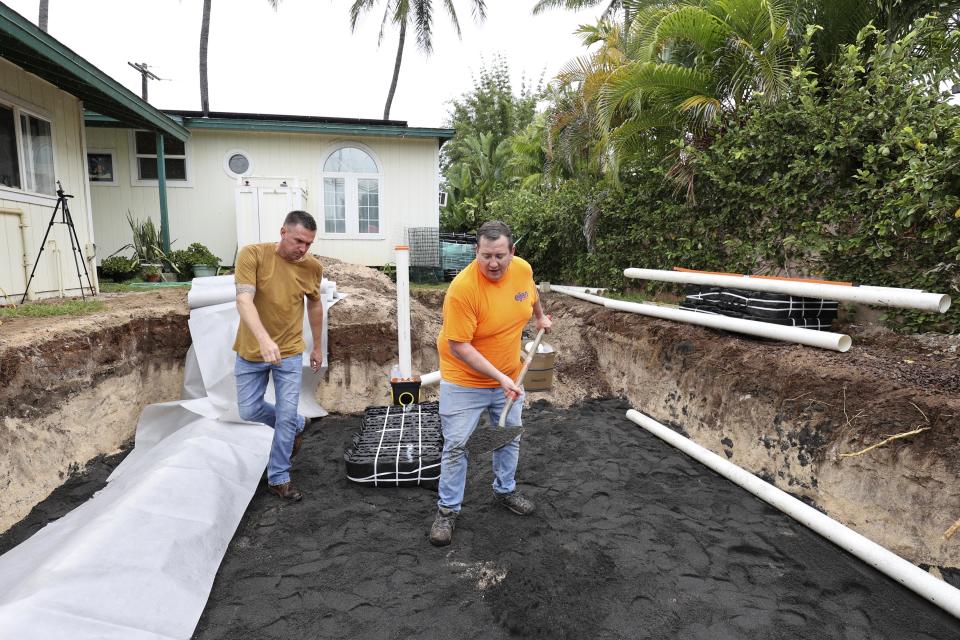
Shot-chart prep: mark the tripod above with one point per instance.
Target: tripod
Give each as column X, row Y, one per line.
column 67, row 219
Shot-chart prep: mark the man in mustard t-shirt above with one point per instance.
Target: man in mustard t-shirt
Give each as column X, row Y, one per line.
column 484, row 313
column 272, row 278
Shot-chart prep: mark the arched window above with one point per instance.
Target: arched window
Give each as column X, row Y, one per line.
column 351, row 193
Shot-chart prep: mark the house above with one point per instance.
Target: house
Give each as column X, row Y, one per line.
column 224, row 180
column 44, row 90
column 237, row 175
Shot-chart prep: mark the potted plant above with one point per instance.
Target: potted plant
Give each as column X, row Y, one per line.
column 150, row 272
column 203, row 262
column 119, row 268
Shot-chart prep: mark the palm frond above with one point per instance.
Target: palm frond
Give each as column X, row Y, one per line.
column 423, row 22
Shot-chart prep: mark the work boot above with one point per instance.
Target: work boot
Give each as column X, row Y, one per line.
column 286, row 491
column 515, row 502
column 297, row 443
column 441, row 532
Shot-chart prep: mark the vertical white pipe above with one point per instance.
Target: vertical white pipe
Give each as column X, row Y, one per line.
column 909, row 575
column 55, row 251
column 403, row 309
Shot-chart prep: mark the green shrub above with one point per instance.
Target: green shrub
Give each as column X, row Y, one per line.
column 199, row 254
column 182, row 260
column 854, row 175
column 119, row 268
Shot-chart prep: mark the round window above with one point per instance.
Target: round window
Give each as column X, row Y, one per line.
column 238, row 164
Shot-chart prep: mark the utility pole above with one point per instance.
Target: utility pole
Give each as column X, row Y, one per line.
column 145, row 76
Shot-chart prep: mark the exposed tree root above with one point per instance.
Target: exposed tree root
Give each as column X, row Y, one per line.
column 905, row 434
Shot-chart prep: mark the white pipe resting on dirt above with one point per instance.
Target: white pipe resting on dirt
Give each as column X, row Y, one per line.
column 884, row 296
column 911, row 576
column 811, row 338
column 403, row 310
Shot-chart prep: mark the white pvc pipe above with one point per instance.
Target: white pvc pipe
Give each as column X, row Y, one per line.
column 430, row 379
column 911, row 576
column 884, row 296
column 810, row 337
column 403, row 310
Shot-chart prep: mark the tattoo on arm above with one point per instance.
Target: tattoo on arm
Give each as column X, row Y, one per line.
column 246, row 288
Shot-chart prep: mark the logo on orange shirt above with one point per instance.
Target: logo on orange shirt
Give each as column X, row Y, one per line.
column 520, row 297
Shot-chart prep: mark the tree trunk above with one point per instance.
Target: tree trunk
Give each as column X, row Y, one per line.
column 204, row 38
column 44, row 14
column 396, row 71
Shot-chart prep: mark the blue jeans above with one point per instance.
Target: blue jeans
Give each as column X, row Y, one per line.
column 283, row 417
column 460, row 412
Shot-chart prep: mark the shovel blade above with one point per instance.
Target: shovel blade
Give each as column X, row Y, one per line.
column 486, row 439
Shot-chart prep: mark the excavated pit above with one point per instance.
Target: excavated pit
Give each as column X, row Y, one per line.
column 71, row 392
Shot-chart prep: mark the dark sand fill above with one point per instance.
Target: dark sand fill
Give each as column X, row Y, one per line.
column 631, row 540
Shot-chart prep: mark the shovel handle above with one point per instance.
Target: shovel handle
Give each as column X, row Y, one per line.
column 523, row 374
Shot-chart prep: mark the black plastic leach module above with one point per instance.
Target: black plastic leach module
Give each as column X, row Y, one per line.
column 397, row 447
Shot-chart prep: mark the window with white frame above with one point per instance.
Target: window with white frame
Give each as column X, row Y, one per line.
column 351, row 193
column 174, row 154
column 236, row 163
column 26, row 151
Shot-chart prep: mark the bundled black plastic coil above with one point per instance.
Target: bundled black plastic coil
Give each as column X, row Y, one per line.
column 762, row 306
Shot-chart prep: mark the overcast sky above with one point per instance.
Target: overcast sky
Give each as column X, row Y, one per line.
column 302, row 59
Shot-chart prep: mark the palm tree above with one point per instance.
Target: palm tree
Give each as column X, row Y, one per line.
column 400, row 12
column 692, row 64
column 44, row 14
column 576, row 143
column 204, row 41
column 575, row 5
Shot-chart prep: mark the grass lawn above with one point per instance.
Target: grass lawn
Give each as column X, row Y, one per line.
column 438, row 286
column 45, row 309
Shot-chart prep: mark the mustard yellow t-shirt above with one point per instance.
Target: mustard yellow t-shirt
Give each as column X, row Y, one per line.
column 489, row 315
column 281, row 286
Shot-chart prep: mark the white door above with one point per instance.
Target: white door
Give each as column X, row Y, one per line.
column 260, row 211
column 12, row 279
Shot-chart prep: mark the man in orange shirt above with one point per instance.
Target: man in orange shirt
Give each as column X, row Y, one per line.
column 484, row 313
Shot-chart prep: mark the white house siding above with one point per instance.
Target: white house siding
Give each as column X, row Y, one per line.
column 56, row 267
column 204, row 209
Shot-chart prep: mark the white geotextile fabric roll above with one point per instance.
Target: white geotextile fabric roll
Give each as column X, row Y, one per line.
column 137, row 561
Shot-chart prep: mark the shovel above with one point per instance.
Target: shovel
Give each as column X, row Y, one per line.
column 485, row 439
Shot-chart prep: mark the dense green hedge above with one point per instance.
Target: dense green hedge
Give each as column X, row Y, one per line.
column 855, row 176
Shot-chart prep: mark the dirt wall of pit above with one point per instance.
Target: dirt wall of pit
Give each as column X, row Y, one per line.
column 69, row 397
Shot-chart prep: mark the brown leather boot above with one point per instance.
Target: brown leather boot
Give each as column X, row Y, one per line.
column 297, row 443
column 286, row 491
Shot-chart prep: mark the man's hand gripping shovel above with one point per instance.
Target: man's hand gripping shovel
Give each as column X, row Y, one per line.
column 486, row 439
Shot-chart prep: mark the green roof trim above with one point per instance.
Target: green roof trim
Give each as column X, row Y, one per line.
column 25, row 45
column 288, row 126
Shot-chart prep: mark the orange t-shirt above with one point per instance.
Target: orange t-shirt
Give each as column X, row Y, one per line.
column 490, row 316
